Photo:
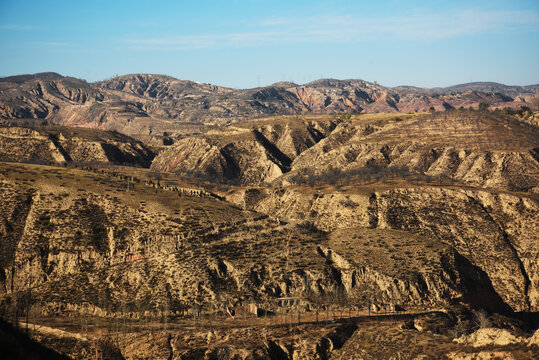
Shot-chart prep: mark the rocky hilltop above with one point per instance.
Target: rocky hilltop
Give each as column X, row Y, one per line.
column 157, row 106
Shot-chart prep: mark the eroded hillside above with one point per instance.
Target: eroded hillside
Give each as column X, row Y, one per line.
column 495, row 232
column 62, row 237
column 71, row 145
column 104, row 244
column 254, row 152
column 237, row 242
column 481, row 149
column 468, row 147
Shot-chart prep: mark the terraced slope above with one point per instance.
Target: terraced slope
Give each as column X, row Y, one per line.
column 480, row 149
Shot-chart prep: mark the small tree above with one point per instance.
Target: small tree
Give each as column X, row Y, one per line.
column 341, row 297
column 483, row 106
column 27, row 304
column 481, row 319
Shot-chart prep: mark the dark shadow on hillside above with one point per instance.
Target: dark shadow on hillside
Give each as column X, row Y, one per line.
column 478, row 291
column 15, row 345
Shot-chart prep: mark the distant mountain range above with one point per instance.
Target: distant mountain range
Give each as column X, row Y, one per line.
column 157, row 105
column 509, row 90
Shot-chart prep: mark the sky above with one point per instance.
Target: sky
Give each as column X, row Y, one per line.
column 250, row 43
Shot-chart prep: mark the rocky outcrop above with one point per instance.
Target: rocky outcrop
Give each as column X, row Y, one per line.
column 242, row 162
column 490, row 336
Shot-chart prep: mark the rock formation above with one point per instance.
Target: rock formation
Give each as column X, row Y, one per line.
column 483, row 227
column 472, row 148
column 62, row 243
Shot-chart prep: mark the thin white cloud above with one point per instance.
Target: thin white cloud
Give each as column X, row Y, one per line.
column 417, row 26
column 464, row 23
column 218, row 40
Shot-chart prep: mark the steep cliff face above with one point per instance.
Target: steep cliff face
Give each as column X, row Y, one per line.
column 496, row 232
column 64, row 145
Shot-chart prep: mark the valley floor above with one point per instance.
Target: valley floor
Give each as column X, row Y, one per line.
column 355, row 335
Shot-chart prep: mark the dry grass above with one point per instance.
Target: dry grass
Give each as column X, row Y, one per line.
column 392, row 252
column 290, row 120
column 78, row 182
column 411, row 182
column 383, row 341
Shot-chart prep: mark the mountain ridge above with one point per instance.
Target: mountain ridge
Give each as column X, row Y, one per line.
column 477, row 85
column 149, row 106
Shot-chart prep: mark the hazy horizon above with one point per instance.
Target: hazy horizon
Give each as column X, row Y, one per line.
column 299, row 84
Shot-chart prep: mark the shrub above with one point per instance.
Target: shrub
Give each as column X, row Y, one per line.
column 483, row 106
column 481, row 319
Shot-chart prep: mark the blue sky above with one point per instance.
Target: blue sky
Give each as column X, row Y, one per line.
column 246, row 43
